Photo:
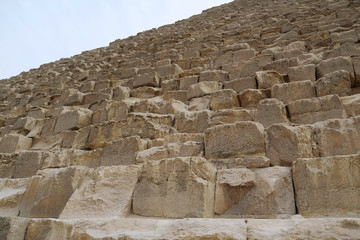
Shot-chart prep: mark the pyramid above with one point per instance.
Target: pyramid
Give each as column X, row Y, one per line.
column 242, row 122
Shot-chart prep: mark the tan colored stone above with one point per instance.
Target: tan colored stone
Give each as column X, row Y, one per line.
column 267, row 79
column 146, row 79
column 11, row 143
column 154, row 153
column 334, row 83
column 120, row 93
column 223, row 99
column 286, row 143
column 346, row 36
column 351, row 105
column 241, row 162
column 200, row 103
column 73, row 120
column 230, row 116
column 241, row 84
column 243, row 55
column 213, row 76
column 13, row 228
column 251, row 97
column 145, row 92
column 328, row 187
column 242, row 138
column 71, row 97
column 105, row 192
column 301, row 73
column 281, row 66
column 335, row 64
column 308, row 111
column 11, row 191
column 48, row 229
column 288, row 92
column 185, row 149
column 202, row 88
column 187, row 81
column 192, row 122
column 184, row 185
column 271, row 111
column 243, row 69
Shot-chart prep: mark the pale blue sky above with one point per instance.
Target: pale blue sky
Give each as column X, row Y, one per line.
column 34, row 32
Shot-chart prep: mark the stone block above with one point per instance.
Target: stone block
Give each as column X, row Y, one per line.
column 11, row 191
column 73, row 120
column 154, row 153
column 328, row 187
column 105, row 192
column 243, row 69
column 145, row 92
column 13, row 228
column 192, row 122
column 356, row 64
column 334, row 83
column 26, row 124
column 200, row 103
column 232, row 185
column 202, row 88
column 120, row 93
column 187, row 81
column 272, row 196
column 243, row 55
column 185, row 149
column 146, row 79
column 267, row 79
column 337, row 136
column 230, row 116
column 129, row 73
column 351, row 105
column 250, row 98
column 308, row 111
column 180, row 95
column 71, row 97
column 72, row 157
column 102, row 85
column 49, row 229
column 242, row 139
column 175, row 188
column 168, row 71
column 27, row 163
column 213, row 76
column 288, row 92
column 87, row 87
column 346, row 36
column 91, row 98
column 223, row 99
column 335, row 64
column 122, row 151
column 271, row 111
column 286, row 143
column 49, row 191
column 281, row 66
column 11, row 143
column 241, row 162
column 301, row 73
column 241, row 84
column 170, row 85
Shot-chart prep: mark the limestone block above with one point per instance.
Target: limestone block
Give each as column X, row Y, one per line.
column 120, row 93
column 11, row 191
column 99, row 136
column 91, row 98
column 48, row 229
column 102, row 85
column 242, row 138
column 272, row 196
column 202, row 88
column 243, row 69
column 72, row 157
column 7, row 161
column 241, row 162
column 154, row 153
column 145, row 92
column 347, row 36
column 317, row 228
column 163, row 62
column 176, row 95
column 335, row 64
column 129, row 72
column 345, row 49
column 185, row 149
column 87, row 87
column 232, row 185
column 117, row 111
column 168, row 70
column 281, row 66
column 337, row 136
column 105, row 192
column 170, row 85
column 175, row 188
column 122, row 151
column 351, row 105
column 13, row 228
column 308, row 58
column 25, row 123
column 146, row 79
column 250, row 98
column 27, row 163
column 192, row 122
column 356, row 64
column 243, row 55
column 230, row 116
column 271, row 111
column 187, row 81
column 73, row 120
column 334, row 83
column 286, row 143
column 335, row 179
column 11, row 143
column 288, row 92
column 200, row 103
column 49, row 191
column 241, row 84
column 71, row 97
column 267, row 79
column 307, row 111
column 223, row 99
column 301, row 73
column 213, row 76
column 174, row 107
column 37, row 113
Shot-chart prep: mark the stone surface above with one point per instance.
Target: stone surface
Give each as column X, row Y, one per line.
column 335, row 179
column 14, row 143
column 271, row 111
column 223, row 99
column 251, row 97
column 335, row 64
column 175, row 188
column 334, row 83
column 288, row 92
column 202, row 88
column 267, row 79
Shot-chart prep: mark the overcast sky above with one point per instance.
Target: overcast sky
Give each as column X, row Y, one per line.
column 34, row 32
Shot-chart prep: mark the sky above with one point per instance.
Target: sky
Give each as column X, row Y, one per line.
column 34, row 32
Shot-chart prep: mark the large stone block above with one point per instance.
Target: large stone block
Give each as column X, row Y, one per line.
column 146, row 79
column 27, row 163
column 105, row 192
column 308, row 111
column 286, row 143
column 301, row 73
column 328, row 187
column 337, row 136
column 49, row 191
column 335, row 64
column 223, row 99
column 13, row 228
column 250, row 98
column 213, row 76
column 271, row 111
column 241, row 84
column 175, row 188
column 334, row 83
column 11, row 143
column 230, row 116
column 49, row 229
column 192, row 122
column 288, row 92
column 202, row 88
column 73, row 120
column 238, row 139
column 272, row 196
column 267, row 79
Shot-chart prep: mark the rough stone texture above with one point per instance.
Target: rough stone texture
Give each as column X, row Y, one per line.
column 242, row 138
column 72, row 120
column 202, row 88
column 12, row 228
column 146, row 79
column 335, row 179
column 192, row 122
column 334, row 83
column 301, row 73
column 335, row 64
column 223, row 99
column 251, row 97
column 267, row 79
column 288, row 92
column 175, row 188
column 14, row 143
column 271, row 111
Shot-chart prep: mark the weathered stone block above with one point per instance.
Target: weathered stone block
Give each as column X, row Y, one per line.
column 121, row 93
column 223, row 99
column 71, row 97
column 180, row 95
column 13, row 228
column 145, row 92
column 213, row 76
column 243, row 69
column 288, row 92
column 146, row 79
column 271, row 111
column 281, row 66
column 105, row 192
column 73, row 120
column 25, row 123
column 241, row 84
column 242, row 138
column 187, row 81
column 301, row 73
column 121, row 152
column 129, row 73
column 49, row 229
column 230, row 116
column 328, row 187
column 169, row 70
column 192, row 122
column 335, row 64
column 347, row 36
column 243, row 55
column 267, row 79
column 11, row 191
column 334, row 83
column 351, row 105
column 250, row 98
column 27, row 163
column 202, row 88
column 286, row 143
column 154, row 153
column 200, row 103
column 11, row 143
column 307, row 111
